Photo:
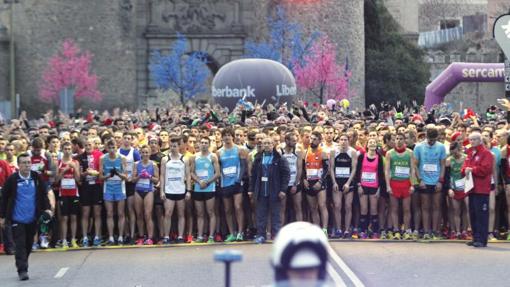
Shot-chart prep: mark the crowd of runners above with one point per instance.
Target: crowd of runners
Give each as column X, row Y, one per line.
column 186, row 174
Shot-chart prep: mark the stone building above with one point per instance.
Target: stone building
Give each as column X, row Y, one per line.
column 122, row 33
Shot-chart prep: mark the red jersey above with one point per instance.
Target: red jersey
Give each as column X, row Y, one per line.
column 68, row 185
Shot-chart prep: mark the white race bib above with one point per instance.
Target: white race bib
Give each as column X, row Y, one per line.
column 459, row 183
column 144, row 182
column 402, row 171
column 68, row 183
column 203, row 174
column 368, row 176
column 342, row 172
column 312, row 173
column 292, row 178
column 230, row 171
column 430, row 167
column 91, row 179
column 37, row 167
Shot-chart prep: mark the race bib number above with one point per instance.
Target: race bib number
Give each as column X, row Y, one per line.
column 68, row 183
column 38, row 167
column 292, row 178
column 342, row 172
column 312, row 173
column 144, row 183
column 230, row 171
column 402, row 171
column 203, row 174
column 459, row 183
column 91, row 179
column 368, row 177
column 430, row 167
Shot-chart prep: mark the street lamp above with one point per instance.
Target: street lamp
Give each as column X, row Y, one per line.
column 12, row 70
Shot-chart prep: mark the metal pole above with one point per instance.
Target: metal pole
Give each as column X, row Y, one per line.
column 227, row 274
column 507, row 77
column 12, row 62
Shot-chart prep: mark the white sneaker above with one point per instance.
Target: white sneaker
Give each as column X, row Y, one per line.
column 44, row 241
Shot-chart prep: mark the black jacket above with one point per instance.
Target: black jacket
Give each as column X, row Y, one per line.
column 10, row 190
column 279, row 175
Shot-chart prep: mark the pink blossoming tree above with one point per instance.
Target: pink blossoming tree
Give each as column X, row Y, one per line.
column 69, row 69
column 321, row 76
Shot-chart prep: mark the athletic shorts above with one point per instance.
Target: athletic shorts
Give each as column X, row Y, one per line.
column 312, row 192
column 202, row 196
column 459, row 195
column 91, row 195
column 175, row 197
column 143, row 194
column 114, row 196
column 341, row 186
column 429, row 189
column 229, row 191
column 400, row 188
column 69, row 205
column 369, row 190
column 130, row 189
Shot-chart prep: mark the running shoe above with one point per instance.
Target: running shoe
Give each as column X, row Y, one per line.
column 189, row 238
column 139, row 241
column 65, row 244
column 148, row 241
column 408, row 235
column 260, row 240
column 85, row 242
column 464, row 235
column 389, row 235
column 436, row 236
column 74, row 243
column 453, row 236
column 338, row 233
column 210, row 240
column 230, row 238
column 375, row 235
column 363, row 235
column 347, row 235
column 508, row 237
column 416, row 235
column 218, row 237
column 200, row 239
column 45, row 243
column 491, row 237
column 397, row 235
column 426, row 236
column 110, row 243
column 355, row 235
column 166, row 241
column 469, row 235
column 97, row 242
column 35, row 246
column 179, row 240
column 240, row 236
column 384, row 235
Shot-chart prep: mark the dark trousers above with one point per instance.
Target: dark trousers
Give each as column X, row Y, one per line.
column 479, row 215
column 264, row 205
column 7, row 237
column 23, row 239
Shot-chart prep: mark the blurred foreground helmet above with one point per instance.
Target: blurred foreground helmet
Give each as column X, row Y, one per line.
column 299, row 245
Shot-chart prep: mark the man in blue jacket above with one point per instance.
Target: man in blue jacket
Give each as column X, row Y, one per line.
column 25, row 198
column 268, row 183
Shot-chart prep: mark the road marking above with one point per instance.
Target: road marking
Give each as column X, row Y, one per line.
column 61, row 272
column 354, row 279
column 337, row 279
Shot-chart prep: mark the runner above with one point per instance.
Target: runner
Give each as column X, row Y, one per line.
column 458, row 198
column 294, row 157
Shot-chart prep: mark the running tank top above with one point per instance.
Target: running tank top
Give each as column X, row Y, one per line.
column 400, row 165
column 175, row 176
column 68, row 185
column 130, row 160
column 114, row 184
column 369, row 176
column 204, row 170
column 456, row 178
column 313, row 164
column 292, row 159
column 343, row 165
column 144, row 184
column 230, row 166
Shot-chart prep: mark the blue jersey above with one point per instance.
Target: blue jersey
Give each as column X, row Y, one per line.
column 230, row 166
column 114, row 184
column 144, row 184
column 497, row 154
column 204, row 169
column 429, row 161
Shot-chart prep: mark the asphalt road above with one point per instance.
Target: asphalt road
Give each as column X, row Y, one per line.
column 372, row 263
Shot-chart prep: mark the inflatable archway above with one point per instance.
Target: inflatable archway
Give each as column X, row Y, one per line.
column 461, row 72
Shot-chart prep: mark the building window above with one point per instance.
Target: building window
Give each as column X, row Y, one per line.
column 449, row 24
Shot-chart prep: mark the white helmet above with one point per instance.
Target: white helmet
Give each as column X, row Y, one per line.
column 299, row 245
